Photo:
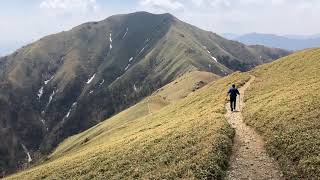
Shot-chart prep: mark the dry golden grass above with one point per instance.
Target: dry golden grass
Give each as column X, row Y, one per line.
column 284, row 105
column 189, row 139
column 183, row 86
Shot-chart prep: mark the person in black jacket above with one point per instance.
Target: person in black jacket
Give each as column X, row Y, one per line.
column 233, row 92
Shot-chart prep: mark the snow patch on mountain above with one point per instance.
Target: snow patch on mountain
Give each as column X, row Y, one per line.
column 101, row 83
column 40, row 92
column 125, row 34
column 135, row 88
column 27, row 152
column 110, row 39
column 47, row 81
column 44, row 124
column 50, row 98
column 142, row 50
column 69, row 111
column 127, row 67
column 90, row 79
column 212, row 57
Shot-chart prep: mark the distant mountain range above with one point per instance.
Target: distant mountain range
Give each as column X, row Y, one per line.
column 289, row 42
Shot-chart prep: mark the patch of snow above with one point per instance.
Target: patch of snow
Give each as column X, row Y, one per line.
column 135, row 88
column 127, row 67
column 69, row 112
column 62, row 58
column 131, row 59
column 44, row 124
column 50, row 98
column 27, row 152
column 125, row 34
column 215, row 59
column 40, row 92
column 90, row 80
column 141, row 51
column 101, row 82
column 47, row 81
column 206, row 48
column 91, row 92
column 110, row 39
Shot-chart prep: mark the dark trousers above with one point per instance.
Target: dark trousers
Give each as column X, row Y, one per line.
column 233, row 103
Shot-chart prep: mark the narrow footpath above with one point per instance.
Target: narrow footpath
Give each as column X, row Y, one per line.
column 249, row 159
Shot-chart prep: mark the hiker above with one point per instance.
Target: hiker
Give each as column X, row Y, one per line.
column 233, row 92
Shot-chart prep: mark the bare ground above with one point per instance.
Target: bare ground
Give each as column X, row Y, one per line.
column 249, row 159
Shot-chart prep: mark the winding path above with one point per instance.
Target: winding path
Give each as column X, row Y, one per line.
column 249, row 159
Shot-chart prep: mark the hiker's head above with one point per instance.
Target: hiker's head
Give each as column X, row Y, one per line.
column 233, row 85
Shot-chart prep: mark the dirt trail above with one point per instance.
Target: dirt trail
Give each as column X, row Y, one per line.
column 249, row 159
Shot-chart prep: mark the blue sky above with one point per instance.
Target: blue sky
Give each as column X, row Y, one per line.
column 24, row 21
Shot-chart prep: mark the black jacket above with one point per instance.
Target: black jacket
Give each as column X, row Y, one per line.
column 233, row 93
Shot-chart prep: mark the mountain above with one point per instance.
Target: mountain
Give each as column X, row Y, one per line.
column 289, row 42
column 189, row 137
column 68, row 82
column 293, row 36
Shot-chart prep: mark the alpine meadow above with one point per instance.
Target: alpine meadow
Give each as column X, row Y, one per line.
column 145, row 94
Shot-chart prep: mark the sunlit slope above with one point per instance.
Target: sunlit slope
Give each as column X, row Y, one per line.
column 181, row 87
column 184, row 85
column 284, row 105
column 189, row 138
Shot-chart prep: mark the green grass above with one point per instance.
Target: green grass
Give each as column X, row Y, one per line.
column 284, row 105
column 189, row 139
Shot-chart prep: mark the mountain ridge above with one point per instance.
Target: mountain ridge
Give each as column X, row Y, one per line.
column 289, row 42
column 190, row 138
column 74, row 79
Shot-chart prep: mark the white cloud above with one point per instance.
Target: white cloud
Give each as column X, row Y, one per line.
column 162, row 5
column 62, row 7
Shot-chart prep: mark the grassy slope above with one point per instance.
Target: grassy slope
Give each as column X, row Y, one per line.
column 181, row 87
column 189, row 138
column 170, row 93
column 283, row 104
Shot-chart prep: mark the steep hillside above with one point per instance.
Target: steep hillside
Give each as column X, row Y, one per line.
column 284, row 105
column 189, row 139
column 70, row 81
